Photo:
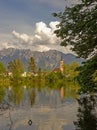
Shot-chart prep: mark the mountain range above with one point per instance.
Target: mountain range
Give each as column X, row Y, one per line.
column 45, row 60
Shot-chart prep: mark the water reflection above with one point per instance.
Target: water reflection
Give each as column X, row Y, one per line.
column 15, row 95
column 31, row 96
column 2, row 93
column 48, row 109
column 62, row 93
column 87, row 113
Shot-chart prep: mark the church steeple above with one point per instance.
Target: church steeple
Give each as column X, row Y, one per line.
column 61, row 65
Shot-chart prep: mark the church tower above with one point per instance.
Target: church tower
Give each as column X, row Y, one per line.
column 61, row 65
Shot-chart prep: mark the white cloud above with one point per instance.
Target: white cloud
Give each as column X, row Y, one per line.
column 46, row 34
column 53, row 25
column 6, row 45
column 23, row 37
column 43, row 39
column 42, row 35
column 42, row 48
column 41, row 28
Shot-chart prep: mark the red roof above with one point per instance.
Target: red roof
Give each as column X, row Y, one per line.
column 56, row 70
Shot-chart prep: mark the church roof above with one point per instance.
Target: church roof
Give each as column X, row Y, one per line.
column 56, row 70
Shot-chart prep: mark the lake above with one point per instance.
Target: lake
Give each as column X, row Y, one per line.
column 28, row 108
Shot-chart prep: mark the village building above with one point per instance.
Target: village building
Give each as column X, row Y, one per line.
column 61, row 67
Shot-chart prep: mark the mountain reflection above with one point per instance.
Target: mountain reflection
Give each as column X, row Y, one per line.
column 87, row 113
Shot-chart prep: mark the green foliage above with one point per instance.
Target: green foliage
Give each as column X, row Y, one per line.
column 35, row 82
column 95, row 76
column 54, row 80
column 39, row 73
column 2, row 68
column 58, row 79
column 31, row 65
column 16, row 67
column 70, row 71
column 77, row 27
column 86, row 116
column 40, row 79
column 85, row 76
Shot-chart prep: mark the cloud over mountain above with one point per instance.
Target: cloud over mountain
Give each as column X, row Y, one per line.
column 42, row 39
column 42, row 34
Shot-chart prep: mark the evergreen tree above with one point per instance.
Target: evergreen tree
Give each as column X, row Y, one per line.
column 31, row 65
column 39, row 73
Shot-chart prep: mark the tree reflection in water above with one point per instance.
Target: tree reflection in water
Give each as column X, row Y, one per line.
column 6, row 106
column 32, row 96
column 87, row 114
column 14, row 98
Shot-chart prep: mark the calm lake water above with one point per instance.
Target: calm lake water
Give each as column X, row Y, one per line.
column 47, row 109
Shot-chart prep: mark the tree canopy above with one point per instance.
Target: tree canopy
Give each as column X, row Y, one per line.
column 77, row 27
column 86, row 76
column 16, row 67
column 31, row 65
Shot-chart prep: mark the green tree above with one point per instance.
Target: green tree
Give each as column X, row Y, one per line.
column 16, row 67
column 70, row 71
column 55, row 80
column 39, row 73
column 31, row 65
column 87, row 117
column 85, row 76
column 2, row 73
column 2, row 68
column 77, row 27
column 95, row 76
column 73, row 72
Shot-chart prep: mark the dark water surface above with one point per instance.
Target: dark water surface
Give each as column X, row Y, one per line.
column 48, row 109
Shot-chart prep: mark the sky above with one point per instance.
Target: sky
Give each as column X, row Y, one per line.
column 29, row 24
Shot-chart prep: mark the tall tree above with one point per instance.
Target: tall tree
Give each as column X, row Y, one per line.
column 39, row 73
column 16, row 67
column 77, row 27
column 31, row 65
